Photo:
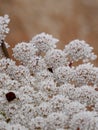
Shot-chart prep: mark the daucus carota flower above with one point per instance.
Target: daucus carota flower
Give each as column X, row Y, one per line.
column 44, row 42
column 4, row 21
column 86, row 74
column 47, row 90
column 55, row 58
column 57, row 120
column 82, row 120
column 64, row 74
column 79, row 50
column 24, row 51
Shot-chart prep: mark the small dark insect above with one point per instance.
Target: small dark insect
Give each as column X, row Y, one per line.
column 8, row 120
column 50, row 69
column 10, row 96
column 70, row 64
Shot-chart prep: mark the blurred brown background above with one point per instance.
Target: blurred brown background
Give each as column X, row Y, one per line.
column 64, row 19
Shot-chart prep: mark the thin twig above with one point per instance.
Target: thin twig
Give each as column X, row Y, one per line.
column 4, row 49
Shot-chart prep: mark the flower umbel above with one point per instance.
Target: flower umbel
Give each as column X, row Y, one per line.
column 47, row 91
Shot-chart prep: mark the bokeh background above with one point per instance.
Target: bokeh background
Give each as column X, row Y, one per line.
column 64, row 19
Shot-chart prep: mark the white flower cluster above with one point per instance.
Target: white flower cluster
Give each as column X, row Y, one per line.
column 3, row 26
column 55, row 58
column 46, row 91
column 79, row 50
column 86, row 74
column 44, row 42
column 26, row 50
